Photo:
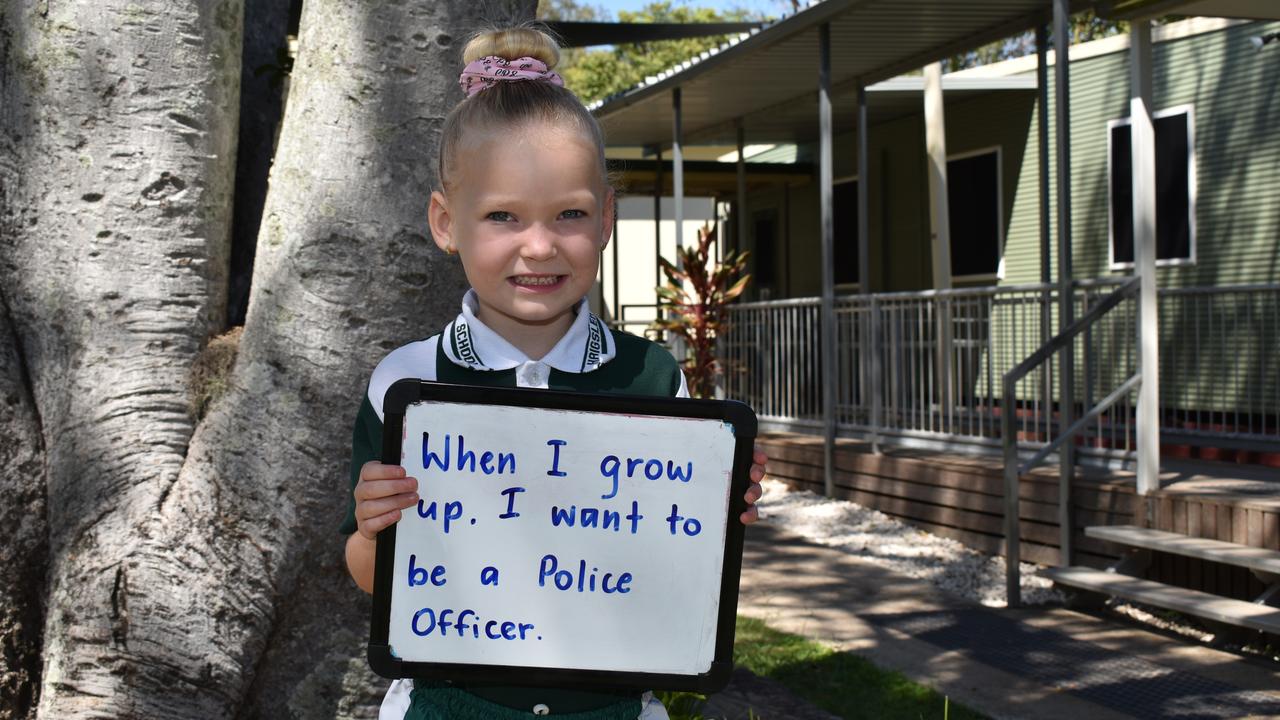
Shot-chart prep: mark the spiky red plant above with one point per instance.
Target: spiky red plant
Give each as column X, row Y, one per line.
column 695, row 303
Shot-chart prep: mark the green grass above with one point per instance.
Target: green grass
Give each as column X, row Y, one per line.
column 841, row 683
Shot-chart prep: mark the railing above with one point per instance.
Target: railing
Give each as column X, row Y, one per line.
column 627, row 320
column 772, row 359
column 1119, row 304
column 919, row 367
column 939, row 356
column 925, row 367
column 1220, row 366
column 978, row 367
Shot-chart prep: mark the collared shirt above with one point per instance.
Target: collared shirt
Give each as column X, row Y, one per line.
column 467, row 342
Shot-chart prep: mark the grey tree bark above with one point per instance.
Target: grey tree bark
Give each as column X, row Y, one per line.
column 192, row 568
column 118, row 121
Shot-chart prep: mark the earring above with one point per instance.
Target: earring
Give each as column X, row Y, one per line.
column 451, row 250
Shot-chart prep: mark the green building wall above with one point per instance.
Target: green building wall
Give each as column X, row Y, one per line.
column 1222, row 359
column 1234, row 92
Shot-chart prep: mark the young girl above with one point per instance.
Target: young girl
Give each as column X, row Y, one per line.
column 525, row 203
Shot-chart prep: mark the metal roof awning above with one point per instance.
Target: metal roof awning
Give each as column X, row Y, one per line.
column 587, row 34
column 769, row 78
column 1246, row 9
column 702, row 178
column 795, row 122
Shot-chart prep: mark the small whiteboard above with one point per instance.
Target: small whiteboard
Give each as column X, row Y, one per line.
column 562, row 539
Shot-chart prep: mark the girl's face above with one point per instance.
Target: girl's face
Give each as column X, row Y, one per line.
column 528, row 213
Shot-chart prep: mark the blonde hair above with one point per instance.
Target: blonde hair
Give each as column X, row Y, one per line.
column 512, row 43
column 508, row 104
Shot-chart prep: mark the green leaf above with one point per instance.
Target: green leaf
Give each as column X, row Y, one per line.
column 737, row 288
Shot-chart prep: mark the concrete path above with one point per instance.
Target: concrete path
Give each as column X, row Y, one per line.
column 1031, row 663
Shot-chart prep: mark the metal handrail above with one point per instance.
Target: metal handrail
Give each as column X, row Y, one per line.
column 786, row 302
column 1012, row 470
column 926, row 294
column 1220, row 375
column 1132, row 383
column 1220, row 289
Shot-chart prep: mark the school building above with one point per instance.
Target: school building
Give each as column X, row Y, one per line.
column 1012, row 315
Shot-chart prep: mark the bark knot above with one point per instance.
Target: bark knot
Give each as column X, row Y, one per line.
column 166, row 187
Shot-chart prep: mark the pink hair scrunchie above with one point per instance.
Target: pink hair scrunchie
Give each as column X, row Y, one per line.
column 490, row 70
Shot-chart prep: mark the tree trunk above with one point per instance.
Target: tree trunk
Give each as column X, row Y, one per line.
column 194, row 569
column 118, row 126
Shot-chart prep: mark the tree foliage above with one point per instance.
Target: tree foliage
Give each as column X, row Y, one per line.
column 595, row 74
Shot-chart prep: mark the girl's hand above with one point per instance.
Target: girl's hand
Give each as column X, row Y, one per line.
column 383, row 491
column 758, row 462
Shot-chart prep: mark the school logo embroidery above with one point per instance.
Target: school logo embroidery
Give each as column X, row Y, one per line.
column 595, row 345
column 463, row 347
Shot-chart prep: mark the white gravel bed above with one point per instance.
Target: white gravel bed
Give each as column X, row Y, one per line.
column 870, row 534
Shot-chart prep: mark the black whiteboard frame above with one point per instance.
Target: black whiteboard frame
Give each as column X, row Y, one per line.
column 406, row 392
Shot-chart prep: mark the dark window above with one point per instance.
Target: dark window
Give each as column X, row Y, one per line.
column 1173, row 190
column 973, row 201
column 844, row 202
column 766, row 244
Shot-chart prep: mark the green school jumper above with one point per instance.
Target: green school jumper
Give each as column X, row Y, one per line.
column 611, row 362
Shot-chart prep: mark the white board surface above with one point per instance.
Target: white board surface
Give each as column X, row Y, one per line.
column 585, row 574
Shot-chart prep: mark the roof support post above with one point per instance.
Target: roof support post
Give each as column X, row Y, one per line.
column 1143, row 143
column 657, row 235
column 864, row 232
column 677, row 187
column 677, row 167
column 870, row 350
column 615, row 312
column 1046, row 276
column 935, row 134
column 1066, row 299
column 740, row 212
column 1042, row 109
column 827, row 225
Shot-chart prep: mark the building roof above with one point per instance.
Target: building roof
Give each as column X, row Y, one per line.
column 770, row 77
column 1241, row 9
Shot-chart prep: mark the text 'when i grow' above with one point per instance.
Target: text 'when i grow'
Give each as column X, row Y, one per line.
column 454, row 457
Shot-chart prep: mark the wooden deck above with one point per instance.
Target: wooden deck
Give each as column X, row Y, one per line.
column 961, row 496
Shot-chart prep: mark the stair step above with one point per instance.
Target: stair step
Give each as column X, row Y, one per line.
column 1190, row 602
column 1254, row 558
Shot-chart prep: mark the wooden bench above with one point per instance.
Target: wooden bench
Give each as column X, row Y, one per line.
column 1120, row 580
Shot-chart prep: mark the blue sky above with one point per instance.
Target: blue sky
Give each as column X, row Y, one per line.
column 767, row 7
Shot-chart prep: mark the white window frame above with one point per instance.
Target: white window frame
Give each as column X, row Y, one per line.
column 1000, row 238
column 1192, row 191
column 853, row 286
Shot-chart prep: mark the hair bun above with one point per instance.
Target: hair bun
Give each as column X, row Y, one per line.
column 512, row 43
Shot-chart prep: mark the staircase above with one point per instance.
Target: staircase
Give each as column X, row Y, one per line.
column 1229, row 617
column 1225, row 615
